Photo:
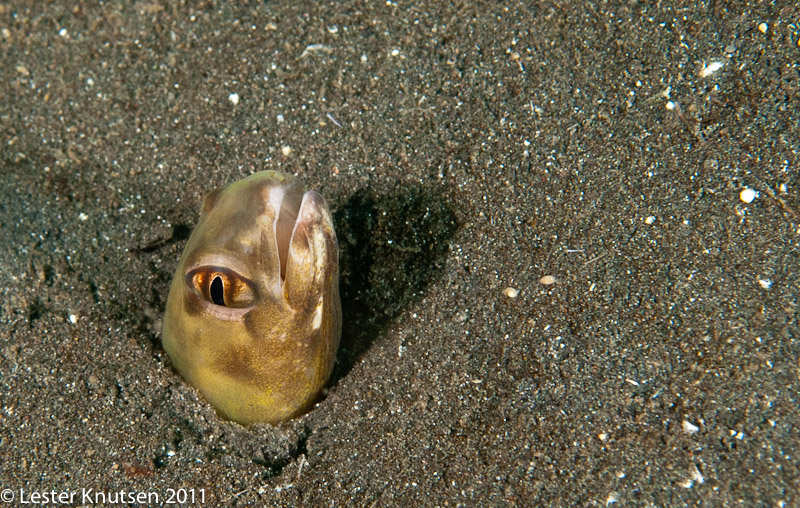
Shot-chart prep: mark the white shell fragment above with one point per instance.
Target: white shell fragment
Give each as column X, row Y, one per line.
column 748, row 195
column 710, row 69
column 689, row 427
column 511, row 292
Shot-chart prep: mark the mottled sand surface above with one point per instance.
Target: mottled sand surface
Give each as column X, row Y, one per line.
column 465, row 148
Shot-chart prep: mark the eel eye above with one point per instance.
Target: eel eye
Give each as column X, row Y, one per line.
column 220, row 286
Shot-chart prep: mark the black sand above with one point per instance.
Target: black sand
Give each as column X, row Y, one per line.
column 465, row 149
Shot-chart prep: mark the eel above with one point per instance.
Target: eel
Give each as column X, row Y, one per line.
column 253, row 316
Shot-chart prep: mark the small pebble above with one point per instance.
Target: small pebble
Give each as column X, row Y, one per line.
column 234, row 98
column 511, row 292
column 547, row 280
column 649, row 220
column 748, row 195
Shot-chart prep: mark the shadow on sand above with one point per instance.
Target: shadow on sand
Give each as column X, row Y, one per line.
column 390, row 247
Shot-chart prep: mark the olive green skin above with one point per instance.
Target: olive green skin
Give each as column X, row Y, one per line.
column 253, row 316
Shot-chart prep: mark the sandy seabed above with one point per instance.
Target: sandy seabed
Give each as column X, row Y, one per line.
column 569, row 242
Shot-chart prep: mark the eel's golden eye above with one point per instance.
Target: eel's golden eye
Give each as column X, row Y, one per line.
column 221, row 286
